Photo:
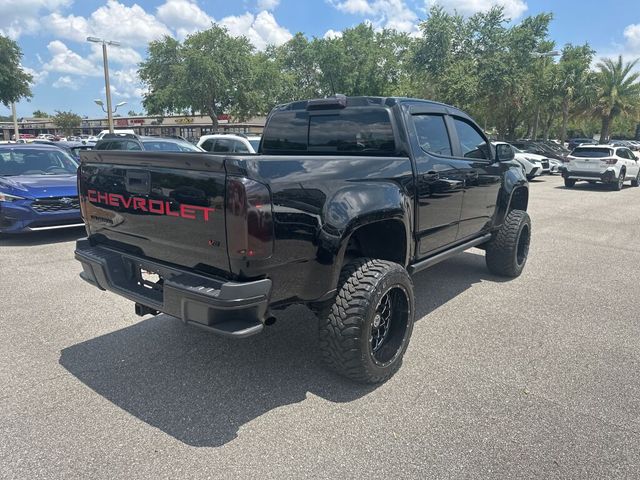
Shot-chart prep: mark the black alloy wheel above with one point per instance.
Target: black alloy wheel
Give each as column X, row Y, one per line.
column 389, row 325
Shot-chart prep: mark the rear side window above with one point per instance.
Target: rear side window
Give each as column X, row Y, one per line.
column 432, row 134
column 472, row 143
column 586, row 152
column 364, row 131
column 207, row 145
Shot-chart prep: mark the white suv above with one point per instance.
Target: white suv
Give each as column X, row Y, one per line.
column 532, row 166
column 602, row 163
column 228, row 143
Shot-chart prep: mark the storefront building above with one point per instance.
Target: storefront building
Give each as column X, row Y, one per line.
column 190, row 127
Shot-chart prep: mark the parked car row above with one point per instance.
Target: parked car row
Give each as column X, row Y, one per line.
column 630, row 144
column 38, row 188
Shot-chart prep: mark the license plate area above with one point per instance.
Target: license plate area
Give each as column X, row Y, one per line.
column 149, row 279
column 144, row 279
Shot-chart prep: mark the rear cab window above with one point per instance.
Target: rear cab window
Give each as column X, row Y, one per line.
column 353, row 131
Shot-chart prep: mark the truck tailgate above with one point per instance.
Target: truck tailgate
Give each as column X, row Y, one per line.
column 163, row 206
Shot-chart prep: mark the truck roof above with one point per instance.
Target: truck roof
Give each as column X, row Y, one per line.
column 364, row 101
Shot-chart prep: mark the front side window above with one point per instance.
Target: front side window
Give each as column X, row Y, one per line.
column 472, row 142
column 432, row 134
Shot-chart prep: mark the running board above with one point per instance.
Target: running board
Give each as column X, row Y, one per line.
column 431, row 261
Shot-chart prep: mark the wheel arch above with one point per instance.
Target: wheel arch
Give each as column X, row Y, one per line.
column 371, row 219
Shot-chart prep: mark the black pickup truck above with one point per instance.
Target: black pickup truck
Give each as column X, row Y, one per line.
column 347, row 199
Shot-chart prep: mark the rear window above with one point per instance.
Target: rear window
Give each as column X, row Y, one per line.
column 352, row 131
column 587, row 152
column 159, row 146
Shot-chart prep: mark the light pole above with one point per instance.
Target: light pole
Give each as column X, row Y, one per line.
column 106, row 74
column 544, row 56
column 15, row 122
column 110, row 112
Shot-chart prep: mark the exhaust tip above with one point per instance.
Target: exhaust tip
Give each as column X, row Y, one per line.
column 270, row 321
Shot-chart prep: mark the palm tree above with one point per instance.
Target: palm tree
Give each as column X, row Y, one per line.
column 617, row 92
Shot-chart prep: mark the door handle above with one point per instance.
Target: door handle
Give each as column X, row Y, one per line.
column 431, row 175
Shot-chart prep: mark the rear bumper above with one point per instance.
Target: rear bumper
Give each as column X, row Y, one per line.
column 608, row 176
column 227, row 308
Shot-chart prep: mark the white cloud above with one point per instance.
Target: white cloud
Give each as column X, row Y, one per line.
column 630, row 49
column 184, row 16
column 38, row 77
column 394, row 14
column 126, row 84
column 119, row 55
column 268, row 4
column 66, row 82
column 355, row 7
column 261, row 29
column 512, row 8
column 113, row 21
column 64, row 60
column 19, row 17
column 632, row 34
column 331, row 34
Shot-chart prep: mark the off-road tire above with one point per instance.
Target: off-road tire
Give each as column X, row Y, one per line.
column 346, row 333
column 508, row 250
column 569, row 183
column 636, row 181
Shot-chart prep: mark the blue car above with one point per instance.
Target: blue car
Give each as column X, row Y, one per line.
column 38, row 188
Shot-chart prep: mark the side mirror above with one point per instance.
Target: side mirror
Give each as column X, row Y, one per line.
column 504, row 153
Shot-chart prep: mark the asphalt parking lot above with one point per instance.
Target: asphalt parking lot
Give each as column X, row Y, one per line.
column 533, row 378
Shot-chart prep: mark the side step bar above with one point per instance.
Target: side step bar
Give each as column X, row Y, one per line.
column 431, row 261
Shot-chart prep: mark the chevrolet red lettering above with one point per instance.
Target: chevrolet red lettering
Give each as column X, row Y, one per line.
column 158, row 207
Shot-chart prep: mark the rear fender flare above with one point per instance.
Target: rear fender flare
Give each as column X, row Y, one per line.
column 355, row 206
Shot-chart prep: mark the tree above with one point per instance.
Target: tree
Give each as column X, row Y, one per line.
column 133, row 113
column 40, row 114
column 573, row 71
column 210, row 72
column 14, row 81
column 67, row 121
column 617, row 92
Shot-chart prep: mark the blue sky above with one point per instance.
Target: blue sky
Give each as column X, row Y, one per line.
column 68, row 70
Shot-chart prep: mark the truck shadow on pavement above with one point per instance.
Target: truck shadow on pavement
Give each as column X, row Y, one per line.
column 201, row 389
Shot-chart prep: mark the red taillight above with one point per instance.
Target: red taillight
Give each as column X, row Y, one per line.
column 609, row 161
column 249, row 219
